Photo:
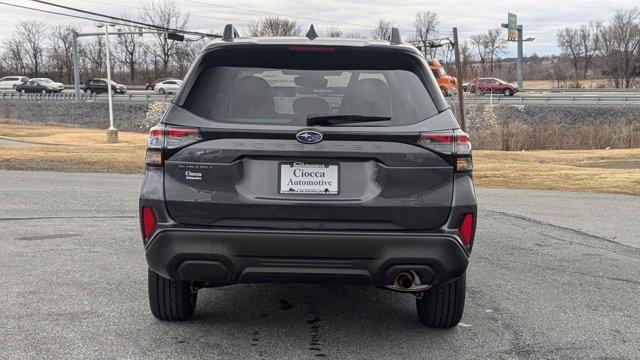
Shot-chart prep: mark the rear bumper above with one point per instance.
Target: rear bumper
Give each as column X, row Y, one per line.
column 229, row 256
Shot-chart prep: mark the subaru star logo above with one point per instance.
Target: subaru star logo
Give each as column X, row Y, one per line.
column 309, row 136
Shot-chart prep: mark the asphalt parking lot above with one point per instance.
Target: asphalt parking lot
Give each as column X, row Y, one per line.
column 553, row 275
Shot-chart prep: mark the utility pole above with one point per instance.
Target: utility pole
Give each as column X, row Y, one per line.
column 456, row 49
column 76, row 66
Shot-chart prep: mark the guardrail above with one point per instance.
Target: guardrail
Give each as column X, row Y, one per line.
column 618, row 100
column 559, row 91
column 148, row 97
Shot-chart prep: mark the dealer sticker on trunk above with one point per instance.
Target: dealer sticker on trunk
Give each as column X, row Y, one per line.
column 303, row 178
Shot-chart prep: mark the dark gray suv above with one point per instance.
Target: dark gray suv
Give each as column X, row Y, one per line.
column 309, row 160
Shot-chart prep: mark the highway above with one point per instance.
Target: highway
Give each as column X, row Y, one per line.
column 553, row 275
column 532, row 97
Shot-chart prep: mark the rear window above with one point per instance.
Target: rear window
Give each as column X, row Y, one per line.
column 283, row 86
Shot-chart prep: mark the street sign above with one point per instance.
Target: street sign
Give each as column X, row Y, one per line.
column 512, row 25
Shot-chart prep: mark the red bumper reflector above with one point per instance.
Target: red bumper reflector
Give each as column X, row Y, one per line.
column 466, row 229
column 148, row 221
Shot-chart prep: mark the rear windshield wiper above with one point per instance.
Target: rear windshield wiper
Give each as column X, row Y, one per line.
column 328, row 120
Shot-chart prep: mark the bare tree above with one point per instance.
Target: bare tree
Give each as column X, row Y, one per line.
column 353, row 35
column 61, row 56
column 166, row 14
column 127, row 48
column 620, row 46
column 558, row 73
column 14, row 56
column 383, row 30
column 334, row 31
column 254, row 28
column 569, row 41
column 479, row 42
column 94, row 54
column 589, row 40
column 426, row 27
column 185, row 54
column 273, row 26
column 466, row 59
column 495, row 44
column 32, row 35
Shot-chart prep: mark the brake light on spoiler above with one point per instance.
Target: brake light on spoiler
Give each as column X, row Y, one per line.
column 163, row 137
column 311, row 48
column 450, row 142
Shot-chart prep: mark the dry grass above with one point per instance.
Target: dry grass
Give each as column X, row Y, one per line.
column 607, row 171
column 76, row 149
column 553, row 135
column 71, row 149
column 550, row 84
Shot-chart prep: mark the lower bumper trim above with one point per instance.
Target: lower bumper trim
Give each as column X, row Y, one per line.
column 228, row 256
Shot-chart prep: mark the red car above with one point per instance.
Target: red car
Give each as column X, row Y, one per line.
column 492, row 85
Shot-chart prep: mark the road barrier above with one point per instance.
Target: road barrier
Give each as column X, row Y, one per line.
column 617, row 100
column 575, row 99
column 148, row 97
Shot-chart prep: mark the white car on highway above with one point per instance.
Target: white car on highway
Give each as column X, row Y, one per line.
column 170, row 86
column 10, row 82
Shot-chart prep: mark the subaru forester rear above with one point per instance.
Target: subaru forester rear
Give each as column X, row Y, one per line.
column 309, row 160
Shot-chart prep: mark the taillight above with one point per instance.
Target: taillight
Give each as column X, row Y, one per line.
column 148, row 221
column 178, row 137
column 450, row 142
column 466, row 230
column 168, row 137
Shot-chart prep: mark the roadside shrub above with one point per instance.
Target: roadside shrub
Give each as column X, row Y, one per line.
column 155, row 110
column 518, row 136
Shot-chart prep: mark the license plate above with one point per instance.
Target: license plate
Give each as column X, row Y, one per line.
column 309, row 178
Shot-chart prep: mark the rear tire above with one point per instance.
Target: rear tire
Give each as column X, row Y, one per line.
column 171, row 300
column 162, row 91
column 441, row 307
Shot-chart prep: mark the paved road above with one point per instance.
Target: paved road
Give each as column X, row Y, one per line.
column 545, row 282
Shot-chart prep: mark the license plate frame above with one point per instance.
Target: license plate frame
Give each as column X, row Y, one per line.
column 332, row 169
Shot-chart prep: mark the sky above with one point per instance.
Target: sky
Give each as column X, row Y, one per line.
column 540, row 19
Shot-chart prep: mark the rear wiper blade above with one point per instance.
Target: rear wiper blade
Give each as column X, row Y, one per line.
column 328, row 120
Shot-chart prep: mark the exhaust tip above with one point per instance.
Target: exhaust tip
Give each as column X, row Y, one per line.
column 404, row 280
column 408, row 281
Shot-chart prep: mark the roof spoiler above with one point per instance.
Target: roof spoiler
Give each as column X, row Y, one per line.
column 229, row 33
column 395, row 36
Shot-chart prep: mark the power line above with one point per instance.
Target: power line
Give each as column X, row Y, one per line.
column 283, row 15
column 138, row 8
column 242, row 21
column 52, row 12
column 151, row 26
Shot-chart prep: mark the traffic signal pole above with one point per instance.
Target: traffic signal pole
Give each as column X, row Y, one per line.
column 519, row 62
